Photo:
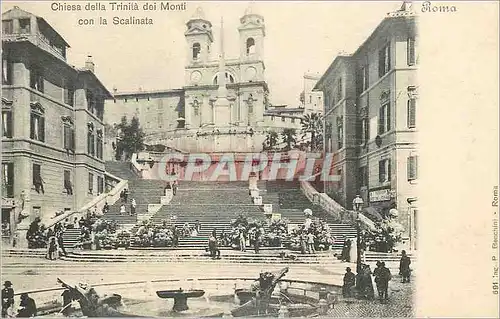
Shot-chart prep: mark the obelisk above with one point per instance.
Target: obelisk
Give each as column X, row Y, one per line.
column 222, row 105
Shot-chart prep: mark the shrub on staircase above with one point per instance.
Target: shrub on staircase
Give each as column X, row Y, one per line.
column 386, row 235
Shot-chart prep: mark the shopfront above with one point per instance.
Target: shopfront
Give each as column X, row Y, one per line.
column 382, row 199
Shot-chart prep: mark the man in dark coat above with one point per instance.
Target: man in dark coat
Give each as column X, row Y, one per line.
column 7, row 298
column 346, row 251
column 349, row 282
column 382, row 277
column 27, row 307
column 404, row 267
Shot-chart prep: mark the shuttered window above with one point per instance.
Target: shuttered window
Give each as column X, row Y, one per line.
column 412, row 168
column 384, row 119
column 384, row 60
column 7, row 124
column 8, row 180
column 412, row 104
column 384, row 170
column 411, row 51
column 91, row 183
column 37, row 127
column 69, row 137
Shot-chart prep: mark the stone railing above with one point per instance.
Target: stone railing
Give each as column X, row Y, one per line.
column 327, row 203
column 110, row 197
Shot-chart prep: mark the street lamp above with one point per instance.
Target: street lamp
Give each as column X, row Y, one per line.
column 357, row 205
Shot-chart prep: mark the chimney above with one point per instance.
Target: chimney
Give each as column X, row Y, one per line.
column 89, row 64
column 115, row 89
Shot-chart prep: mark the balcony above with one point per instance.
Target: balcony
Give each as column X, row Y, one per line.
column 39, row 40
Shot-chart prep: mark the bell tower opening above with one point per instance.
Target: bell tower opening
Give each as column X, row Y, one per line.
column 250, row 46
column 196, row 51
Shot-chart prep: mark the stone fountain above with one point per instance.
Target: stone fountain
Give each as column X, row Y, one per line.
column 180, row 297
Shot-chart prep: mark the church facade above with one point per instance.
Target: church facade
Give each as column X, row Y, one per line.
column 223, row 105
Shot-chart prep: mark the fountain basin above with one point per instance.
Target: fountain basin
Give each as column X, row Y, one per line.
column 180, row 297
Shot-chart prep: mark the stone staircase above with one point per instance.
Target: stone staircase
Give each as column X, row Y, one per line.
column 71, row 237
column 145, row 192
column 213, row 204
column 121, row 170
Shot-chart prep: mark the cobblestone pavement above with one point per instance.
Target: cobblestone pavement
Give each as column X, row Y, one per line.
column 400, row 304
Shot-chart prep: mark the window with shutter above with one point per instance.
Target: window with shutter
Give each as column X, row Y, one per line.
column 7, row 67
column 412, row 104
column 42, row 129
column 7, row 124
column 387, row 108
column 37, row 126
column 411, row 51
column 91, row 183
column 37, row 174
column 8, row 179
column 388, row 170
column 381, row 171
column 412, row 168
column 381, row 121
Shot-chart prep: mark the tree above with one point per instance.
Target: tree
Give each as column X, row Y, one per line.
column 313, row 124
column 288, row 137
column 271, row 141
column 131, row 138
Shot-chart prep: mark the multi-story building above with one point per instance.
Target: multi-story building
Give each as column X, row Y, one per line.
column 52, row 123
column 370, row 105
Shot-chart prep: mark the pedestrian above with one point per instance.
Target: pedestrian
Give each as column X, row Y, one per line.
column 213, row 247
column 105, row 209
column 310, row 243
column 60, row 242
column 125, row 195
column 349, row 282
column 174, row 188
column 123, row 210
column 175, row 237
column 346, row 251
column 27, row 307
column 121, row 195
column 366, row 284
column 303, row 242
column 404, row 267
column 242, row 240
column 132, row 207
column 7, row 299
column 256, row 243
column 52, row 249
column 382, row 278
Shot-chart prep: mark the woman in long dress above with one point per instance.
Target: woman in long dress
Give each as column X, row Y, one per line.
column 353, row 253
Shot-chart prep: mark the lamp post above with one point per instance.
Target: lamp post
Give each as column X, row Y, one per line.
column 357, row 205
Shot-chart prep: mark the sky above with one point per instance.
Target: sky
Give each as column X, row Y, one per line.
column 300, row 37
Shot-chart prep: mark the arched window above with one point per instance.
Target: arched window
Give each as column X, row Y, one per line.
column 196, row 51
column 250, row 46
column 229, row 78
